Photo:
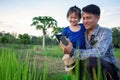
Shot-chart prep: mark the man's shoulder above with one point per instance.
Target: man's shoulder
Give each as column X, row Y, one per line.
column 105, row 29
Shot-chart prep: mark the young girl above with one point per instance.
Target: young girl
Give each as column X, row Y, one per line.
column 75, row 33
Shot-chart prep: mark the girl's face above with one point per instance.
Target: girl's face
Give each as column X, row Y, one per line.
column 73, row 19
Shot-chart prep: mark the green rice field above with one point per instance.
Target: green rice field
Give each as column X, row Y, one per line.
column 20, row 62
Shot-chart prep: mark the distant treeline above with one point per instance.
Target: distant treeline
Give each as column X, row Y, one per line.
column 7, row 38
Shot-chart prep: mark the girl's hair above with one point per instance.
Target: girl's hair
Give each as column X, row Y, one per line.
column 75, row 10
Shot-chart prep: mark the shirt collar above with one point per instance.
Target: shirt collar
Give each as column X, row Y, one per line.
column 95, row 31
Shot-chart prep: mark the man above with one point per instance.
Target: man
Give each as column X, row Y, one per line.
column 98, row 45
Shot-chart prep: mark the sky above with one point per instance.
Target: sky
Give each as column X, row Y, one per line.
column 16, row 15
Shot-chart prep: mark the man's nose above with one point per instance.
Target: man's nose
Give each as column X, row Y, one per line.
column 85, row 21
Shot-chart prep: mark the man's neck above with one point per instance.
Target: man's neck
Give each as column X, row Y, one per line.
column 90, row 32
column 89, row 35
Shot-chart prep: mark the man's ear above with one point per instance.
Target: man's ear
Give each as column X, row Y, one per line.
column 97, row 17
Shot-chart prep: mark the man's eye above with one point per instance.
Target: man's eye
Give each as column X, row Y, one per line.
column 88, row 17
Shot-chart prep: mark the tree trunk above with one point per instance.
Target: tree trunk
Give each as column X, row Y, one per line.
column 43, row 42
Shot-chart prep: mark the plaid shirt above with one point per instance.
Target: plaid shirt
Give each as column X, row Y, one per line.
column 100, row 45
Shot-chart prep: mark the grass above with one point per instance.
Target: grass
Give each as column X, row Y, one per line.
column 54, row 51
column 117, row 52
column 26, row 64
column 16, row 65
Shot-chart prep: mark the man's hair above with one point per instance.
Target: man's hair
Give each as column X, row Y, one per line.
column 93, row 9
column 75, row 10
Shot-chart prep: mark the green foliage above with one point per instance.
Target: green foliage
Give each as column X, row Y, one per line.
column 14, row 67
column 24, row 39
column 117, row 52
column 17, row 64
column 36, row 40
column 56, row 30
column 7, row 38
column 52, row 51
column 116, row 37
column 43, row 23
column 4, row 39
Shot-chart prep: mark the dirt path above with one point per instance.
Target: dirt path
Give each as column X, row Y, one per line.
column 52, row 64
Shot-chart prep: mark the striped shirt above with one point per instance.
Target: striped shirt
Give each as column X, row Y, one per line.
column 100, row 45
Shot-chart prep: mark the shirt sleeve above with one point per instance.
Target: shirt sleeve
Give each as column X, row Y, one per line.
column 101, row 48
column 65, row 31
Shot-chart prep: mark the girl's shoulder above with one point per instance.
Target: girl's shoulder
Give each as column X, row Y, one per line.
column 66, row 28
column 82, row 26
column 66, row 31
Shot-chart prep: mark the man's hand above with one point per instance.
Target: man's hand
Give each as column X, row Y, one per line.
column 66, row 49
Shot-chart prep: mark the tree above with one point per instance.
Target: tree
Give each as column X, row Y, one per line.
column 10, row 37
column 57, row 30
column 43, row 23
column 116, row 37
column 4, row 39
column 7, row 38
column 36, row 40
column 24, row 39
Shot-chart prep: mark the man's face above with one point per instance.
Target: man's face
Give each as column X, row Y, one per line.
column 89, row 20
